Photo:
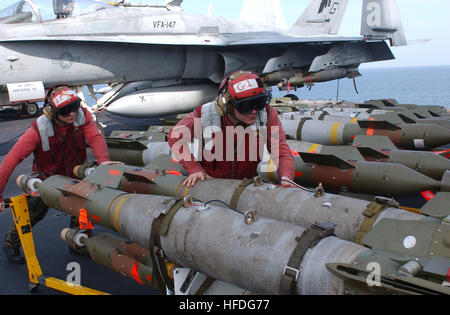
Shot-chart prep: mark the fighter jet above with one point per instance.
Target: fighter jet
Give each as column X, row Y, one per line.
column 177, row 59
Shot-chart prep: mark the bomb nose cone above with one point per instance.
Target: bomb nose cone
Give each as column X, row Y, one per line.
column 431, row 164
column 391, row 179
column 425, row 136
column 439, row 136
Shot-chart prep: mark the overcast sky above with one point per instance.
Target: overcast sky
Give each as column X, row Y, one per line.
column 422, row 20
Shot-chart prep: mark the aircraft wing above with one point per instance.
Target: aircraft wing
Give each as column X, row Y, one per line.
column 231, row 39
column 318, row 51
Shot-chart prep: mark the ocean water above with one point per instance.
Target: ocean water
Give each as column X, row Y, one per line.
column 417, row 85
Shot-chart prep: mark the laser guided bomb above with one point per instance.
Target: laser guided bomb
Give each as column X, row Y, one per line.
column 426, row 110
column 358, row 176
column 394, row 117
column 291, row 103
column 373, row 178
column 407, row 136
column 433, row 164
column 292, row 205
column 368, row 145
column 421, row 111
column 129, row 258
column 330, row 110
column 353, row 116
column 440, row 121
column 325, row 115
column 363, row 113
column 264, row 256
column 252, row 256
column 364, row 149
column 135, row 262
column 115, row 253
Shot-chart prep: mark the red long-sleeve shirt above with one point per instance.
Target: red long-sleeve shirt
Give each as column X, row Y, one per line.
column 285, row 167
column 30, row 141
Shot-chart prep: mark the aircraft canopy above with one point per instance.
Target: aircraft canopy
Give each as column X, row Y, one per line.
column 26, row 11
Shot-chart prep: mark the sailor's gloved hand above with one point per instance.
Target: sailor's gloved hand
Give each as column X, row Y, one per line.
column 192, row 179
column 2, row 205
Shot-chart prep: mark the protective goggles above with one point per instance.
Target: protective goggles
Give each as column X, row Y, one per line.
column 248, row 105
column 68, row 109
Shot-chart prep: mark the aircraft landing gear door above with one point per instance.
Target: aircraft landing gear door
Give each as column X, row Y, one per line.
column 26, row 92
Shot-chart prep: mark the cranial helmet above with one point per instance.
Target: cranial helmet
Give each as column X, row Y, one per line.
column 61, row 100
column 243, row 91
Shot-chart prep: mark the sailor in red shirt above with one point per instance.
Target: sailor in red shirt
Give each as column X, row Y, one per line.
column 58, row 140
column 234, row 133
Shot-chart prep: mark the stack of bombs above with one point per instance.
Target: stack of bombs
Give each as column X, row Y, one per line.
column 371, row 166
column 254, row 236
column 250, row 236
column 411, row 111
column 337, row 138
column 406, row 129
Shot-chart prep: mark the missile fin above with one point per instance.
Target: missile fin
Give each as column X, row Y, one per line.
column 111, row 175
column 378, row 125
column 438, row 206
column 142, row 175
column 125, row 144
column 406, row 119
column 368, row 151
column 376, row 142
column 376, row 237
column 325, row 159
column 79, row 189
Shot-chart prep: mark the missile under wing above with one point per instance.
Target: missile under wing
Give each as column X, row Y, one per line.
column 91, row 42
